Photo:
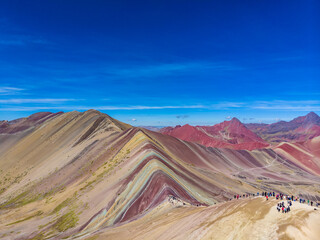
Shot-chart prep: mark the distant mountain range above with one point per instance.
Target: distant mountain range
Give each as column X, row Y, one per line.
column 236, row 135
column 297, row 130
column 228, row 134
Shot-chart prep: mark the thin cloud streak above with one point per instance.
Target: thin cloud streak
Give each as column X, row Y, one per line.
column 307, row 105
column 35, row 100
column 227, row 105
column 10, row 90
column 37, row 108
column 169, row 69
column 303, row 105
column 291, row 108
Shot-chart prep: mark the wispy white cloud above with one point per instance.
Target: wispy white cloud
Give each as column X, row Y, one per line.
column 227, row 105
column 149, row 107
column 308, row 105
column 36, row 100
column 170, row 68
column 10, row 90
column 303, row 105
column 38, row 108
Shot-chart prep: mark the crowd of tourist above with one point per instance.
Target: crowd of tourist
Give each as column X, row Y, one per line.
column 285, row 209
column 281, row 207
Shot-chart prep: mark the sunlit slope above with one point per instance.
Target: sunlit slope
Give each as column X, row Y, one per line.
column 238, row 219
column 51, row 146
column 13, row 131
column 80, row 173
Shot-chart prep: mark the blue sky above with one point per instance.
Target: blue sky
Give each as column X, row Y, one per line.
column 161, row 62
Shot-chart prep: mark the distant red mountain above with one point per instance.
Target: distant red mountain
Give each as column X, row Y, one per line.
column 297, row 130
column 228, row 134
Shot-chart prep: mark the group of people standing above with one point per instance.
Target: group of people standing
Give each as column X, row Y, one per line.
column 285, row 209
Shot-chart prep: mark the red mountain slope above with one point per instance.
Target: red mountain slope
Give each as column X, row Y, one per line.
column 228, row 134
column 304, row 154
column 299, row 129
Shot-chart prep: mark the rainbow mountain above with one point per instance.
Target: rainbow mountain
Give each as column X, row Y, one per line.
column 88, row 176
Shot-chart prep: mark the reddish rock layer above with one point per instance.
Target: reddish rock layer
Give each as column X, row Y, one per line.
column 228, row 134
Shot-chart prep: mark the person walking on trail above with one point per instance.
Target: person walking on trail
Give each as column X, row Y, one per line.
column 267, row 197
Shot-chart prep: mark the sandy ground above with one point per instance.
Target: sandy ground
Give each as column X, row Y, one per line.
column 238, row 219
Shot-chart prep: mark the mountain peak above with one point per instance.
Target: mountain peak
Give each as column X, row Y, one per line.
column 312, row 118
column 235, row 120
column 312, row 115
